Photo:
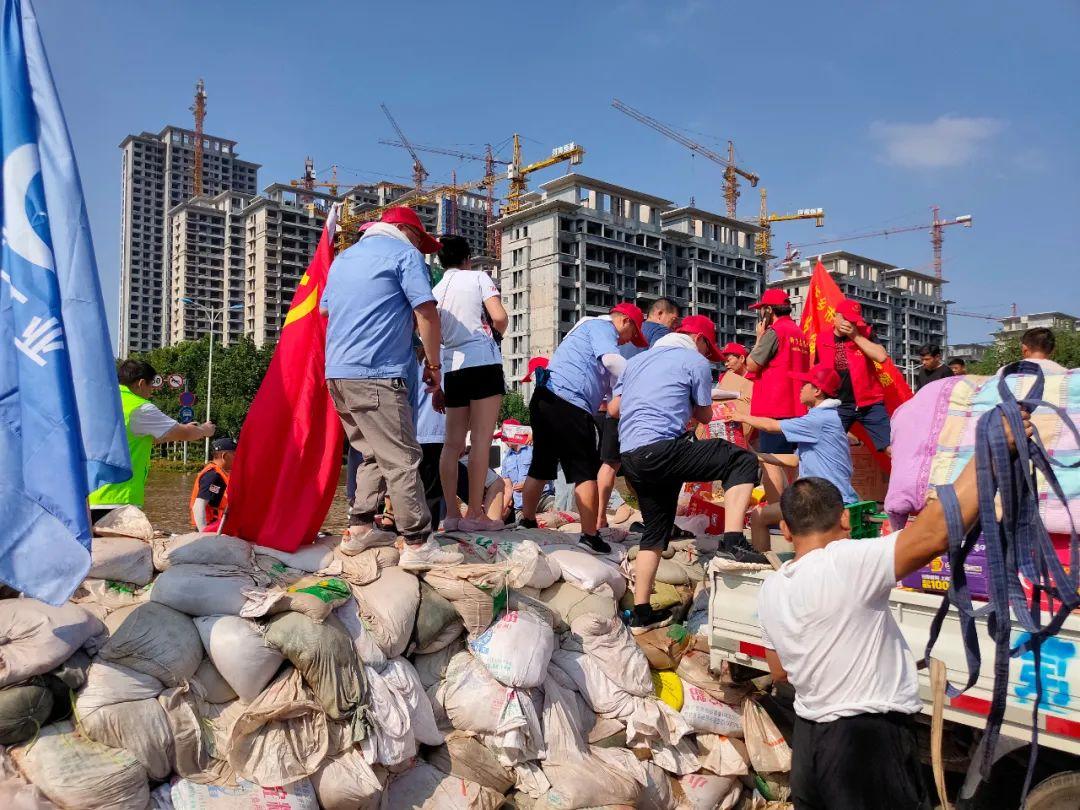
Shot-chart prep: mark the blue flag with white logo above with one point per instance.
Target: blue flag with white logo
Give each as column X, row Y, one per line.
column 62, row 432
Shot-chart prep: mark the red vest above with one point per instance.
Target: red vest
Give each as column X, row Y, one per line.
column 776, row 394
column 864, row 376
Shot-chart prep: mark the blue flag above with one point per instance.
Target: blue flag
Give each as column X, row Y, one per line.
column 62, row 432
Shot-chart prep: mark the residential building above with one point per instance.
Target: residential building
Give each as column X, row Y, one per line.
column 158, row 175
column 581, row 245
column 1018, row 324
column 968, row 352
column 905, row 308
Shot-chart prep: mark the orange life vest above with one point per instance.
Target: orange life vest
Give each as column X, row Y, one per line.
column 213, row 513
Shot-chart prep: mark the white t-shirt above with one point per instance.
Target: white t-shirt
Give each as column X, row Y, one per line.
column 466, row 340
column 148, row 420
column 827, row 616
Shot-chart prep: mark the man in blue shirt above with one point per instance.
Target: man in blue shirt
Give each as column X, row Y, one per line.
column 568, row 392
column 375, row 289
column 821, row 441
column 515, row 466
column 659, row 392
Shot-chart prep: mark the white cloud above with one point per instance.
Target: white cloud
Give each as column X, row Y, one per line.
column 948, row 141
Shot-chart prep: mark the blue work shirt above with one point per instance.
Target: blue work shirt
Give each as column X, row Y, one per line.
column 371, row 293
column 823, row 446
column 659, row 388
column 652, row 331
column 515, row 467
column 575, row 371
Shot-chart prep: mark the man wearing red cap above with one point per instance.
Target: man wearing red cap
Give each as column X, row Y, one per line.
column 851, row 350
column 819, row 437
column 568, row 392
column 781, row 350
column 374, row 291
column 734, row 355
column 659, row 392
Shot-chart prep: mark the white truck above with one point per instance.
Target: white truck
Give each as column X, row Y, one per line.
column 735, row 637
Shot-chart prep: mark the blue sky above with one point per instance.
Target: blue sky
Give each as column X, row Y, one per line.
column 874, row 111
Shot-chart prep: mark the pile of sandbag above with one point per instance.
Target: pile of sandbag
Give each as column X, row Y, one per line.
column 199, row 672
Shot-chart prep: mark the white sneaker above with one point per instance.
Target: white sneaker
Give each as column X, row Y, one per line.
column 359, row 539
column 428, row 554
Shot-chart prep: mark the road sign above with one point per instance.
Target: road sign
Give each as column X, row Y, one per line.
column 157, row 382
column 187, row 415
column 175, row 380
column 187, row 399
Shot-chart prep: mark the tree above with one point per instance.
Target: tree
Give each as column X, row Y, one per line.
column 514, row 407
column 1007, row 351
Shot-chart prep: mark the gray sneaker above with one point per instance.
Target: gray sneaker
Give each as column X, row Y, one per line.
column 358, row 539
column 428, row 554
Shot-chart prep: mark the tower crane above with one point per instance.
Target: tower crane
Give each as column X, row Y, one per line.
column 439, row 150
column 765, row 219
column 420, row 174
column 732, row 172
column 199, row 108
column 309, row 182
column 518, row 175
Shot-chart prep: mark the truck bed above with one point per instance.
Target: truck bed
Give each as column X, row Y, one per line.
column 735, row 636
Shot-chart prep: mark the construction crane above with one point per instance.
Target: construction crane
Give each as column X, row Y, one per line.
column 420, row 174
column 199, row 108
column 936, row 228
column 518, row 175
column 981, row 316
column 765, row 219
column 732, row 172
column 309, row 182
column 439, row 150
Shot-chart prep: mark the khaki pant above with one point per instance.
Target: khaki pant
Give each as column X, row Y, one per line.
column 378, row 423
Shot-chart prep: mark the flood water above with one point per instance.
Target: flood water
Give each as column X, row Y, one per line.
column 168, row 494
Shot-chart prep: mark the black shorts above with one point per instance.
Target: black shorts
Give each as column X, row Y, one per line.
column 774, row 443
column 863, row 761
column 657, row 472
column 872, row 417
column 609, row 438
column 476, row 382
column 562, row 434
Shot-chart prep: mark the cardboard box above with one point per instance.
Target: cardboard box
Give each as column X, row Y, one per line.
column 937, row 576
column 868, row 479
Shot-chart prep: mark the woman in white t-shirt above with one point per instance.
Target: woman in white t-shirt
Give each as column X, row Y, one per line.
column 470, row 310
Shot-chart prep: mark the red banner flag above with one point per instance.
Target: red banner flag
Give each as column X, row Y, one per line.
column 822, row 299
column 289, row 456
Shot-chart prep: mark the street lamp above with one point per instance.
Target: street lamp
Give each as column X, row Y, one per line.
column 212, row 315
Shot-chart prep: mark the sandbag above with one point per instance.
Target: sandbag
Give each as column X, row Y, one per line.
column 477, row 592
column 707, row 715
column 431, row 667
column 388, row 608
column 516, row 649
column 567, row 602
column 281, row 736
column 587, row 571
column 365, row 567
column 723, row 756
column 587, row 782
column 531, row 568
column 367, row 649
column 424, row 787
column 79, row 774
column 610, row 644
column 240, row 653
column 323, row 654
column 464, row 756
column 664, row 647
column 16, row 793
column 187, row 795
column 400, row 713
column 309, row 558
column 124, row 559
column 35, row 637
column 765, row 744
column 214, row 687
column 433, row 615
column 204, row 590
column 694, row 668
column 103, row 596
column 705, row 791
column 108, row 683
column 24, row 709
column 447, row 636
column 656, row 791
column 202, row 548
column 315, row 597
column 137, row 726
column 195, row 748
column 347, row 782
column 125, row 521
column 156, row 640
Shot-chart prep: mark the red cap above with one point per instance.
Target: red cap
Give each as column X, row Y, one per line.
column 634, row 313
column 702, row 325
column 820, row 376
column 401, row 215
column 534, row 364
column 774, row 297
column 514, row 436
column 734, row 348
column 851, row 311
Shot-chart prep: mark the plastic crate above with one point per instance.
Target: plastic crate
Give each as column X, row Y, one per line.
column 861, row 515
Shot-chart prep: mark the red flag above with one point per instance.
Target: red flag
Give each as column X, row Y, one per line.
column 822, row 299
column 289, row 456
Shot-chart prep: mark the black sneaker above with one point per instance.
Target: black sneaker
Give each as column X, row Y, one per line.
column 637, row 527
column 655, row 618
column 594, row 543
column 742, row 552
column 526, row 523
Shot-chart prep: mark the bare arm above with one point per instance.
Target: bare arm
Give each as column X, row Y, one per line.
column 188, row 433
column 779, row 674
column 495, row 309
column 427, row 324
column 703, row 414
column 753, row 366
column 613, row 407
column 780, row 459
column 762, row 423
